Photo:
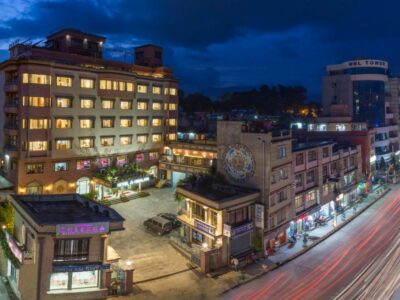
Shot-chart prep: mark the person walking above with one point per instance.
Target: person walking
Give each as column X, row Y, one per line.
column 236, row 263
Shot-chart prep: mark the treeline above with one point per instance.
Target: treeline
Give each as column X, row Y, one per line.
column 267, row 100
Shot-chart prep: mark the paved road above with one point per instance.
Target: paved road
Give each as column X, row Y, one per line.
column 329, row 268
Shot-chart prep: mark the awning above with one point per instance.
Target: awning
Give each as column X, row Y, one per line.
column 112, row 255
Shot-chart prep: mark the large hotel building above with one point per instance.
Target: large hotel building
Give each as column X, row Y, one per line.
column 68, row 113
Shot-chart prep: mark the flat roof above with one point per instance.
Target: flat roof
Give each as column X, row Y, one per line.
column 309, row 145
column 74, row 31
column 65, row 209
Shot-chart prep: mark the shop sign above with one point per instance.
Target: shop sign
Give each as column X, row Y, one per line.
column 204, row 227
column 242, row 229
column 259, row 215
column 80, row 268
column 82, row 229
column 131, row 182
column 12, row 245
column 227, row 230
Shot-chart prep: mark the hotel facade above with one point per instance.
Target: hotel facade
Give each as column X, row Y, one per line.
column 67, row 113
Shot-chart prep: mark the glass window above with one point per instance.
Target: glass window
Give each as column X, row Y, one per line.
column 37, row 168
column 87, row 83
column 172, row 137
column 107, row 141
column 38, row 123
column 129, row 86
column 83, row 164
column 63, row 102
column 38, row 146
column 172, row 122
column 281, row 152
column 142, row 89
column 126, row 104
column 86, row 142
column 85, row 279
column 36, row 101
column 64, row 144
column 156, row 105
column 122, row 86
column 86, row 123
column 166, row 91
column 36, row 78
column 156, row 90
column 142, row 122
column 125, row 139
column 299, row 159
column 64, row 81
column 87, row 103
column 107, row 104
column 59, row 281
column 71, row 249
column 142, row 105
column 61, row 166
column 126, row 122
column 102, row 84
column 172, row 91
column 153, row 155
column 63, row 123
column 156, row 122
column 142, row 138
column 156, row 137
column 172, row 106
column 107, row 122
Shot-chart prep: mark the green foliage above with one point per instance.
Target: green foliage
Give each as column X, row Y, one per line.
column 179, row 198
column 257, row 242
column 7, row 251
column 92, row 195
column 7, row 216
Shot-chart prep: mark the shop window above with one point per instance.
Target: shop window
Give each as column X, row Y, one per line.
column 64, row 81
column 87, row 103
column 83, row 164
column 59, row 281
column 87, row 279
column 60, row 166
column 122, row 160
column 83, row 186
column 87, row 83
column 37, row 168
column 197, row 237
column 62, row 102
column 103, row 162
column 126, row 104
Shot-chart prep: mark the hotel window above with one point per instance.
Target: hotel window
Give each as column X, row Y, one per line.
column 36, row 101
column 156, row 137
column 87, row 83
column 172, row 106
column 86, row 142
column 125, row 139
column 122, row 86
column 142, row 122
column 83, row 164
column 125, row 122
column 139, row 157
column 87, row 103
column 115, row 85
column 64, row 81
column 63, row 123
column 107, row 141
column 103, row 84
column 63, row 102
column 142, row 105
column 156, row 122
column 172, row 91
column 37, row 146
column 281, row 152
column 107, row 122
column 156, row 105
column 153, row 155
column 171, row 122
column 63, row 144
column 156, row 90
column 166, row 91
column 129, row 86
column 71, row 250
column 142, row 89
column 312, row 156
column 36, row 78
column 172, row 137
column 61, row 166
column 37, row 168
column 86, row 123
column 107, row 104
column 142, row 138
column 38, row 124
column 126, row 104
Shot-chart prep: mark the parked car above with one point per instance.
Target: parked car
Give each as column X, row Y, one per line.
column 159, row 225
column 172, row 218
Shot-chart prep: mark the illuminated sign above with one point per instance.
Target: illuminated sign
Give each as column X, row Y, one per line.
column 82, row 229
column 130, row 182
column 369, row 63
column 259, row 215
column 14, row 247
column 80, row 268
column 204, row 227
column 242, row 229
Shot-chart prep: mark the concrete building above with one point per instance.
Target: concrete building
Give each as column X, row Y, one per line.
column 67, row 113
column 59, row 247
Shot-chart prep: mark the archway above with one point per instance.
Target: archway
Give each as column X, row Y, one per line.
column 83, row 185
column 34, row 188
column 60, row 187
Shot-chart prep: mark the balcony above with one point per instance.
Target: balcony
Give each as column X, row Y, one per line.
column 11, row 86
column 11, row 128
column 11, row 107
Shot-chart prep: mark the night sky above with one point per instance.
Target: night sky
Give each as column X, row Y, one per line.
column 225, row 43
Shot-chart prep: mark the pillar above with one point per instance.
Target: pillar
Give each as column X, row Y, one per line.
column 127, row 286
column 107, row 278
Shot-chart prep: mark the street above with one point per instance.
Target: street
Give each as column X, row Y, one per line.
column 332, row 266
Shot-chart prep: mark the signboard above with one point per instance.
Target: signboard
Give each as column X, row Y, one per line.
column 242, row 229
column 12, row 245
column 227, row 230
column 80, row 268
column 130, row 182
column 259, row 216
column 82, row 229
column 204, row 227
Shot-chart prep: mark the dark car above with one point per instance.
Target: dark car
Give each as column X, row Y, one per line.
column 170, row 217
column 159, row 225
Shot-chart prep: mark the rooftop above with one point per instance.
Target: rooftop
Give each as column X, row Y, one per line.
column 309, row 145
column 65, row 209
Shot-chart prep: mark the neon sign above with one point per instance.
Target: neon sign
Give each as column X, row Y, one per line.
column 14, row 247
column 82, row 229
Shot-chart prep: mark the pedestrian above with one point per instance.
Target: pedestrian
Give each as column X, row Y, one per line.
column 114, row 287
column 236, row 263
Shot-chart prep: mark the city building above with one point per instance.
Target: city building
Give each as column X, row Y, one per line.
column 59, row 247
column 69, row 114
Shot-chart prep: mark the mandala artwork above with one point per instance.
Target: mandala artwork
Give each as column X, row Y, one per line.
column 238, row 162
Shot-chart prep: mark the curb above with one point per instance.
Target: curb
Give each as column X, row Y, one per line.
column 290, row 258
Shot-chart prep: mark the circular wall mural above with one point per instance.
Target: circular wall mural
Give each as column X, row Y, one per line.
column 238, row 162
